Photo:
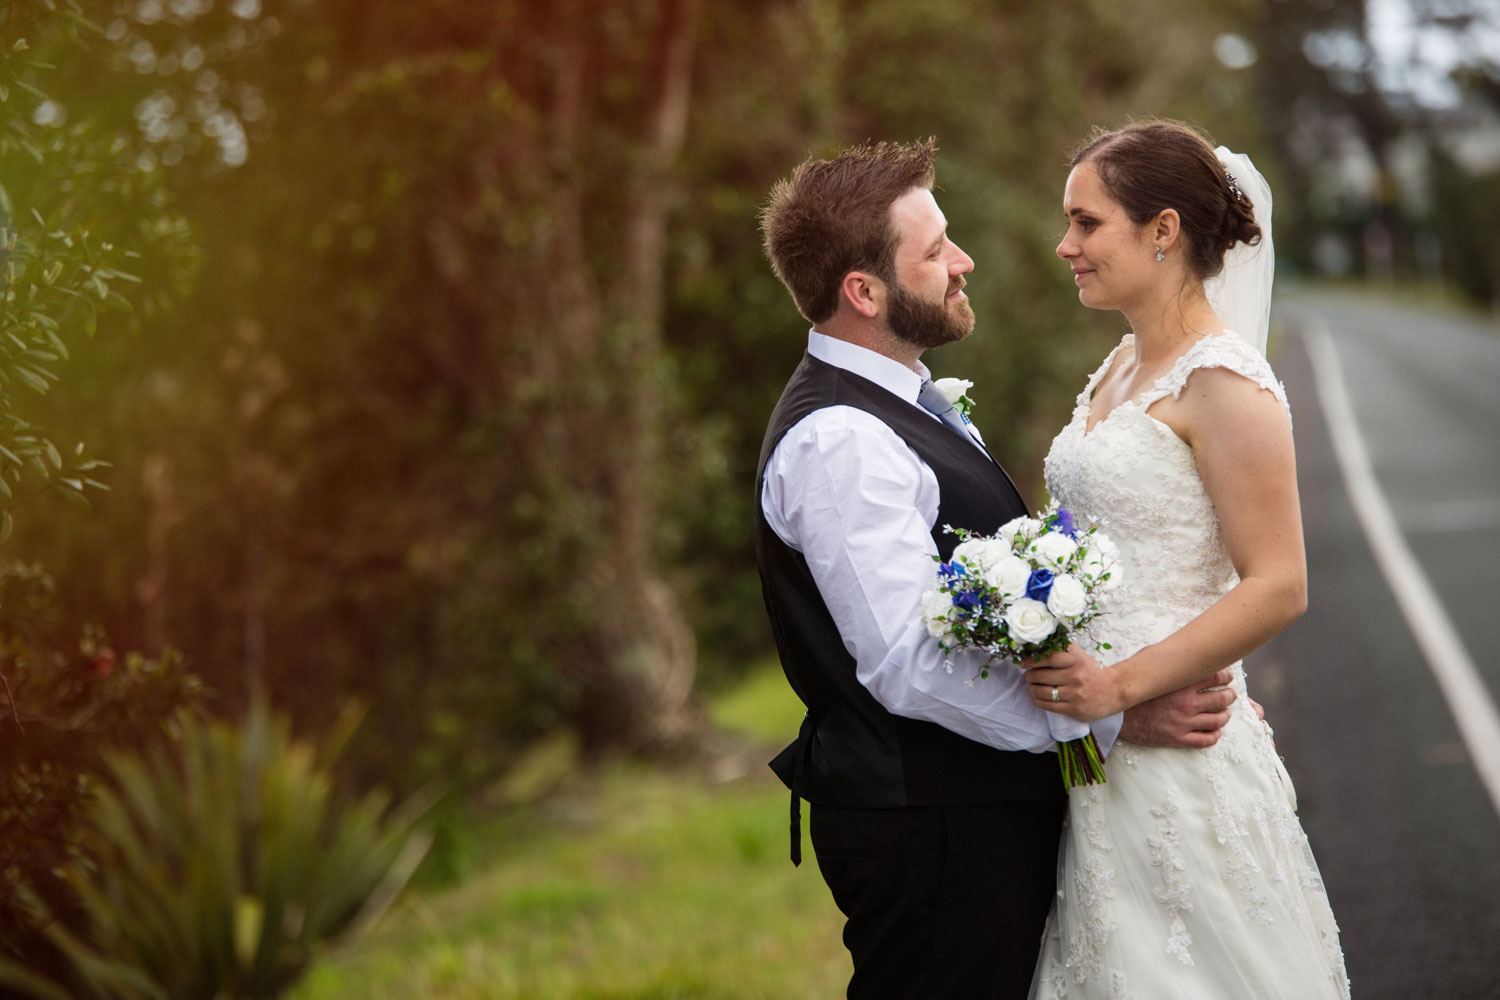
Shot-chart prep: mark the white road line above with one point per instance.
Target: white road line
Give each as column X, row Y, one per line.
column 1468, row 699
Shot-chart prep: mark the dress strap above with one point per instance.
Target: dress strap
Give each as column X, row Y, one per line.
column 1224, row 351
column 1093, row 383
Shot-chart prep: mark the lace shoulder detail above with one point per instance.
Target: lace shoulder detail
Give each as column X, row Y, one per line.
column 1093, row 382
column 1224, row 351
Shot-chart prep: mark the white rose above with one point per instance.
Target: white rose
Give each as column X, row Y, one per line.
column 1054, row 548
column 967, row 550
column 1009, row 576
column 981, row 553
column 935, row 607
column 1068, row 598
column 1025, row 526
column 952, row 388
column 1029, row 620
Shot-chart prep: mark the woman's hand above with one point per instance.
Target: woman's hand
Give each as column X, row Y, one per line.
column 1073, row 683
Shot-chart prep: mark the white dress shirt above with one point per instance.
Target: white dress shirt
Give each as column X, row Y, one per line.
column 859, row 504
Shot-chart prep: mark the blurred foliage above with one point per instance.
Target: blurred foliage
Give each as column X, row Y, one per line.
column 1465, row 217
column 1387, row 119
column 224, row 865
column 460, row 413
column 68, row 698
column 78, row 219
column 75, row 215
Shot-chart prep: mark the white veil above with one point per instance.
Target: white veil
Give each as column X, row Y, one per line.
column 1241, row 293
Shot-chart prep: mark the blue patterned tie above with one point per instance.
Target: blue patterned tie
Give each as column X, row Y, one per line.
column 933, row 401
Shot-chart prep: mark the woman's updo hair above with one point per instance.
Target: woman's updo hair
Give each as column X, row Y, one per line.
column 1151, row 166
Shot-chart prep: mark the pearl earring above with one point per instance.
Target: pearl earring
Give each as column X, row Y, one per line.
column 1159, row 255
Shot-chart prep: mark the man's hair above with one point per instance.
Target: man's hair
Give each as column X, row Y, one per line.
column 830, row 217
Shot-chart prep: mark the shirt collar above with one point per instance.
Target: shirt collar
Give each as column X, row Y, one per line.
column 885, row 372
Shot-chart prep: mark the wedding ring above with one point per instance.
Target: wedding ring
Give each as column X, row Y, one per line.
column 1054, row 695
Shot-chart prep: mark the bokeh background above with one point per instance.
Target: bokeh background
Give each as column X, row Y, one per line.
column 429, row 346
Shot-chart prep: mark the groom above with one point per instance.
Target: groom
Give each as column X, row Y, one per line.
column 936, row 809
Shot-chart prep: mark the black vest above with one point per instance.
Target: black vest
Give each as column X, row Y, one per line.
column 851, row 751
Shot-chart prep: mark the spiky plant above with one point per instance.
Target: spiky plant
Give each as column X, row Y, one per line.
column 226, row 864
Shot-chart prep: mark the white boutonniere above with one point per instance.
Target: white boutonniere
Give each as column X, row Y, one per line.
column 955, row 391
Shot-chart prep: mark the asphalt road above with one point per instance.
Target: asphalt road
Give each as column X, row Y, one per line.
column 1404, row 830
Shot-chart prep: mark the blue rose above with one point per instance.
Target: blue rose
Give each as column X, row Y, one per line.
column 951, row 570
column 1039, row 585
column 967, row 600
column 1064, row 523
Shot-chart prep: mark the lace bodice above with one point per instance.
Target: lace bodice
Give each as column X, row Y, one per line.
column 1138, row 481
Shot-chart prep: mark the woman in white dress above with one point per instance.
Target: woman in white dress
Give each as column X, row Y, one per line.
column 1186, row 874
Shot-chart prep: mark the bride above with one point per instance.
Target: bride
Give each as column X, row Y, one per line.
column 1187, row 873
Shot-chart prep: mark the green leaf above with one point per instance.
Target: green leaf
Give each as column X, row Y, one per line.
column 32, row 984
column 249, row 919
column 76, row 498
column 31, row 378
column 56, row 342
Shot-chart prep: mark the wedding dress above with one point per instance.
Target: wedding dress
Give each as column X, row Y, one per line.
column 1186, row 874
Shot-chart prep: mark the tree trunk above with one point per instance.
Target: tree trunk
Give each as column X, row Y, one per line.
column 653, row 655
column 634, row 664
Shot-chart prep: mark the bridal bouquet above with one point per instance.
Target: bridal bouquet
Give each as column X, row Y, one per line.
column 1028, row 590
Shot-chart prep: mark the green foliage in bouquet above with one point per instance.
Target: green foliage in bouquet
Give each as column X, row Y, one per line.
column 224, row 864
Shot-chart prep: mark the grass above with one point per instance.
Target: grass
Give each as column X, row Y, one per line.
column 632, row 884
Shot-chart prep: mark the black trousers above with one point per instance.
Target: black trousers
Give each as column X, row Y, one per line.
column 942, row 903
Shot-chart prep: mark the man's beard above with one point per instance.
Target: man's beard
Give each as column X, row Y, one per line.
column 926, row 324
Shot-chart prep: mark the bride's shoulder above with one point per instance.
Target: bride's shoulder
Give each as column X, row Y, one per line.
column 1226, row 347
column 1222, row 355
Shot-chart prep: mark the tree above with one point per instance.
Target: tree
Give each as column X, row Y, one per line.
column 75, row 212
column 462, row 409
column 634, row 664
column 66, row 187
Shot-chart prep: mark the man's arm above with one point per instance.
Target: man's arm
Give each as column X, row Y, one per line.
column 844, row 490
column 1191, row 717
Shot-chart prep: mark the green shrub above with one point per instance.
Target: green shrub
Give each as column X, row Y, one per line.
column 224, row 864
column 65, row 697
